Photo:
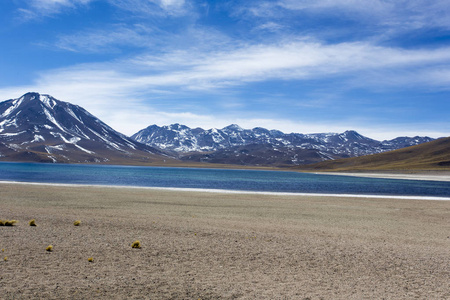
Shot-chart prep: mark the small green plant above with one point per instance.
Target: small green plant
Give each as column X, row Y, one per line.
column 32, row 223
column 10, row 222
column 90, row 259
column 77, row 223
column 136, row 244
column 49, row 248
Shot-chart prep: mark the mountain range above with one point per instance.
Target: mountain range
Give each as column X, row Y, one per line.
column 260, row 146
column 40, row 128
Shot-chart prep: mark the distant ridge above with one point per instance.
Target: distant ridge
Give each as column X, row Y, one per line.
column 433, row 155
column 40, row 128
column 263, row 147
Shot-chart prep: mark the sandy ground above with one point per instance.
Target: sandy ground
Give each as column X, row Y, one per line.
column 220, row 246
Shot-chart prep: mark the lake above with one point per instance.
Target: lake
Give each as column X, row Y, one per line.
column 224, row 179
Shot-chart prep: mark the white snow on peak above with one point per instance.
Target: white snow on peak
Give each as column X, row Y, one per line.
column 15, row 104
column 235, row 127
column 47, row 100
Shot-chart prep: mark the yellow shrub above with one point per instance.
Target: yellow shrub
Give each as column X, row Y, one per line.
column 77, row 223
column 6, row 258
column 10, row 222
column 49, row 248
column 32, row 222
column 90, row 259
column 136, row 244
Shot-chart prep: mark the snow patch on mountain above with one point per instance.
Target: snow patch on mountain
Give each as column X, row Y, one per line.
column 38, row 138
column 48, row 101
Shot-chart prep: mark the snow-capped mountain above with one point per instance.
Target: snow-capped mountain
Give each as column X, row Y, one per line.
column 38, row 127
column 234, row 144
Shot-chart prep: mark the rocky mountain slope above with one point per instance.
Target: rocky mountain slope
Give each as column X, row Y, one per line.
column 38, row 127
column 260, row 146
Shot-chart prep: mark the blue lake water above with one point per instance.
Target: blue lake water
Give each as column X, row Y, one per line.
column 242, row 180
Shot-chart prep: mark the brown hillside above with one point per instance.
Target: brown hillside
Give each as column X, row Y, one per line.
column 434, row 155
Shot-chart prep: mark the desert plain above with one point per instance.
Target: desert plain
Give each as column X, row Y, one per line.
column 211, row 245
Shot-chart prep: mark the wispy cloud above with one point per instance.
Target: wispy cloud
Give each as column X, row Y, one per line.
column 152, row 7
column 142, row 36
column 270, row 26
column 106, row 40
column 300, row 60
column 393, row 16
column 39, row 8
column 287, row 61
column 33, row 9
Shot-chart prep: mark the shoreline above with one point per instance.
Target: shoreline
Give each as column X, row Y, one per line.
column 420, row 176
column 237, row 192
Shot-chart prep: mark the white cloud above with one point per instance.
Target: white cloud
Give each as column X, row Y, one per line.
column 353, row 5
column 39, row 8
column 152, row 7
column 105, row 40
column 270, row 26
column 171, row 3
column 288, row 61
column 401, row 15
column 117, row 37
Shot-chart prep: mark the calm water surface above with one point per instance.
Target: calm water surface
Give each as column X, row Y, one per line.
column 244, row 180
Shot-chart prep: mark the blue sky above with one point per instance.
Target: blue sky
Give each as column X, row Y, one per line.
column 376, row 66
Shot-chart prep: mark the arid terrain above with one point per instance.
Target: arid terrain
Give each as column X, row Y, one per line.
column 203, row 245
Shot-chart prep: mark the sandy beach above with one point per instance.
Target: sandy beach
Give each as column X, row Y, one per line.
column 198, row 245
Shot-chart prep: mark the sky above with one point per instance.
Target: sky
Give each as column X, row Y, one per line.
column 380, row 67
